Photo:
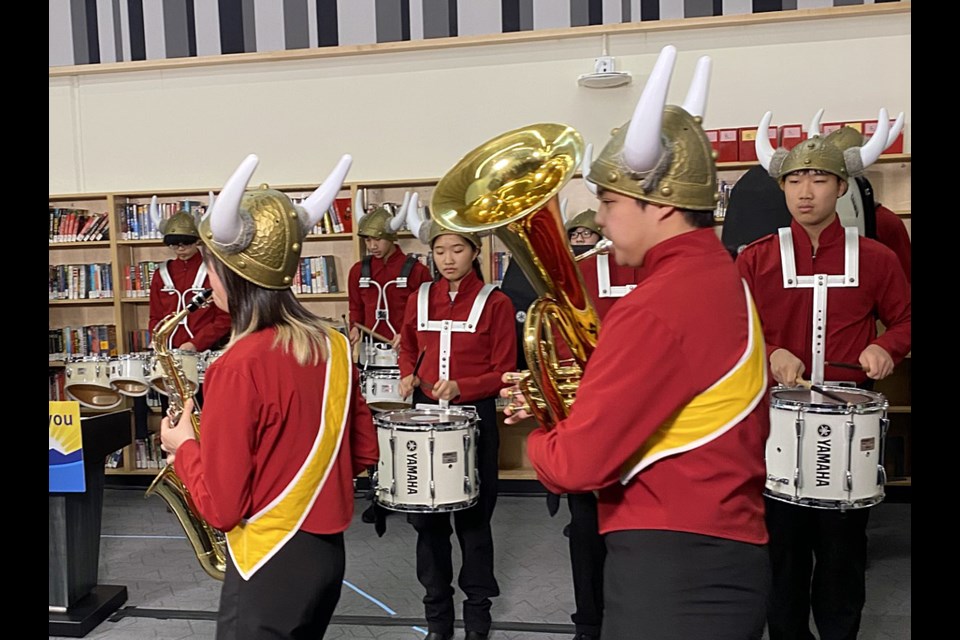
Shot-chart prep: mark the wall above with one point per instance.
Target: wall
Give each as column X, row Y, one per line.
column 412, row 112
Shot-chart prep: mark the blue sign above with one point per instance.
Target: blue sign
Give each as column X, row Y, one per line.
column 66, row 448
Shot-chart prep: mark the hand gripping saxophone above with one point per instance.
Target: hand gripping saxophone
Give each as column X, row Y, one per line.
column 208, row 543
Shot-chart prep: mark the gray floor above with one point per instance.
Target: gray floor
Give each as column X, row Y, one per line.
column 144, row 549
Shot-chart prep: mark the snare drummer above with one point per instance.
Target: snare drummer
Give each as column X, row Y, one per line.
column 817, row 269
column 465, row 328
column 380, row 283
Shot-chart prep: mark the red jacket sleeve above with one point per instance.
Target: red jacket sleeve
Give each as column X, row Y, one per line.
column 503, row 351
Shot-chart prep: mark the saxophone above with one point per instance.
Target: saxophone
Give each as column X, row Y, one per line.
column 208, row 543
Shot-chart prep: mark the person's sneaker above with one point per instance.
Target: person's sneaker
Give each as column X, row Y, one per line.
column 369, row 516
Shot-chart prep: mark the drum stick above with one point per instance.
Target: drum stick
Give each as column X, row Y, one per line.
column 845, row 365
column 416, row 367
column 373, row 333
column 806, row 384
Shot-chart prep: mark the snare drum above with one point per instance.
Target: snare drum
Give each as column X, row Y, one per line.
column 128, row 373
column 377, row 354
column 822, row 453
column 381, row 389
column 206, row 359
column 87, row 380
column 428, row 459
column 186, row 360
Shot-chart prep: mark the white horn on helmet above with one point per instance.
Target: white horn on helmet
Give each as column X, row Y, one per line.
column 155, row 212
column 225, row 215
column 642, row 146
column 586, row 164
column 762, row 141
column 696, row 101
column 318, row 202
column 396, row 222
column 814, row 129
column 877, row 143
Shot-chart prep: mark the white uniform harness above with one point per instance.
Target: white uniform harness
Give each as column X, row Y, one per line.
column 184, row 297
column 603, row 280
column 820, row 282
column 448, row 327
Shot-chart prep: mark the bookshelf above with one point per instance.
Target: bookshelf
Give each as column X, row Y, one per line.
column 890, row 176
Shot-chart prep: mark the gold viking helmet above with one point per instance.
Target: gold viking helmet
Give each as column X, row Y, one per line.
column 259, row 233
column 436, row 231
column 819, row 153
column 847, row 137
column 585, row 219
column 182, row 223
column 662, row 155
column 381, row 223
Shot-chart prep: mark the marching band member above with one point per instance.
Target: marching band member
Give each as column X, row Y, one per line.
column 382, row 281
column 464, row 328
column 582, row 228
column 285, row 429
column 818, row 272
column 671, row 416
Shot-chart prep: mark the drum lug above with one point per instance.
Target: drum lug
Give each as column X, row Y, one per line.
column 881, row 475
column 393, row 454
column 433, row 474
column 848, row 473
column 467, row 485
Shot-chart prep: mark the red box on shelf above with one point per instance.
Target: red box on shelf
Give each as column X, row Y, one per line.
column 728, row 146
column 344, row 207
column 870, row 126
column 747, row 137
column 713, row 137
column 791, row 135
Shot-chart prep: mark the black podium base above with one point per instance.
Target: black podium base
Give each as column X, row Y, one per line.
column 88, row 612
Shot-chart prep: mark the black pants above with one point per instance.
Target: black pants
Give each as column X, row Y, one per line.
column 670, row 585
column 292, row 596
column 587, row 554
column 472, row 525
column 819, row 559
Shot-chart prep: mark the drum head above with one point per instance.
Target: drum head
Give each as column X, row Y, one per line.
column 423, row 419
column 859, row 398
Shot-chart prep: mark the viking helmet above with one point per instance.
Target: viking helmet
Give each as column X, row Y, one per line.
column 259, row 233
column 846, row 137
column 662, row 155
column 182, row 223
column 381, row 223
column 583, row 219
column 816, row 153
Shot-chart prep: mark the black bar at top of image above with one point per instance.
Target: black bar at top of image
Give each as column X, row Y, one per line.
column 595, row 12
column 452, row 16
column 138, row 43
column 510, row 15
column 231, row 26
column 93, row 32
column 764, row 6
column 404, row 20
column 649, row 10
column 328, row 33
column 191, row 30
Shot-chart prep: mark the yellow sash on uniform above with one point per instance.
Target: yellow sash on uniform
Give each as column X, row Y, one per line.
column 255, row 540
column 713, row 412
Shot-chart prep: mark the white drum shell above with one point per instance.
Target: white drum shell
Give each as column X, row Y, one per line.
column 378, row 354
column 189, row 362
column 429, row 466
column 205, row 360
column 129, row 373
column 824, row 454
column 87, row 380
column 381, row 389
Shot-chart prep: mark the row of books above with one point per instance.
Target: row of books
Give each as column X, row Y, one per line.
column 78, row 225
column 139, row 340
column 89, row 340
column 499, row 262
column 80, row 281
column 337, row 219
column 147, row 453
column 137, row 224
column 58, row 380
column 317, row 274
column 137, row 278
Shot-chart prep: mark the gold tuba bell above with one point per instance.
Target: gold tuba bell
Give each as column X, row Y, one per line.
column 509, row 186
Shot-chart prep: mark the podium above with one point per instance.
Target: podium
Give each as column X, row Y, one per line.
column 77, row 602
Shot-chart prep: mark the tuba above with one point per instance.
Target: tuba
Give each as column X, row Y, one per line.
column 208, row 543
column 509, row 186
